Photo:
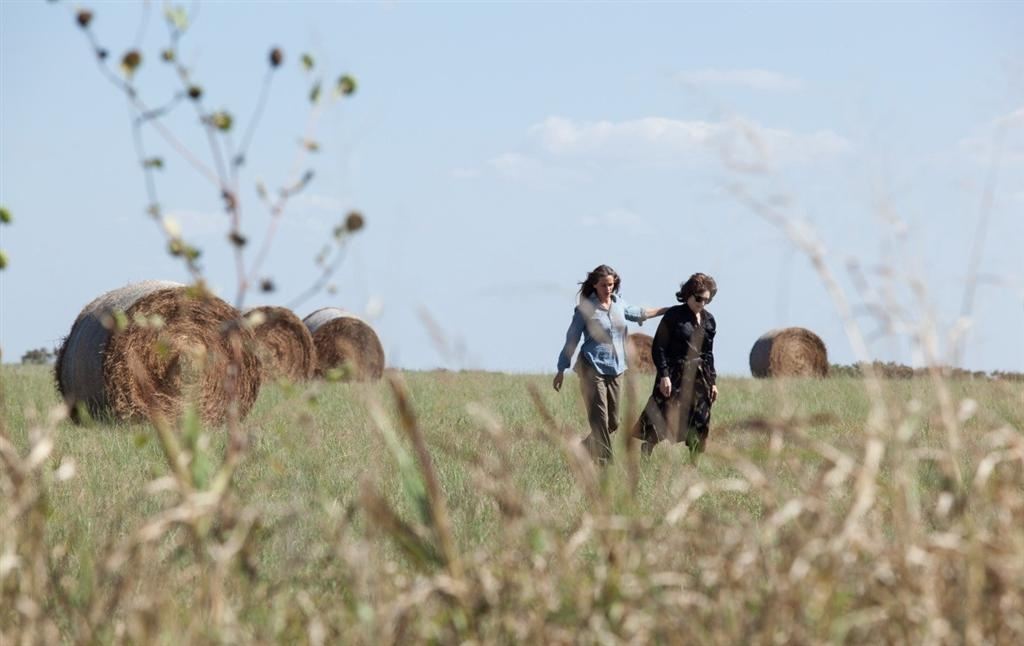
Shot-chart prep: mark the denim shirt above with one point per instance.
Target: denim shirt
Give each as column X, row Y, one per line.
column 604, row 334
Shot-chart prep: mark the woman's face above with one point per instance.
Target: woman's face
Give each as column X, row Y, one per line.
column 697, row 301
column 604, row 286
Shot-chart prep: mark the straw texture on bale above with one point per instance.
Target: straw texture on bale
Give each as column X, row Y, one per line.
column 345, row 342
column 638, row 352
column 789, row 352
column 174, row 345
column 284, row 342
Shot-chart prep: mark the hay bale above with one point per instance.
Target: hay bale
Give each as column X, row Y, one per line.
column 173, row 345
column 789, row 352
column 638, row 352
column 344, row 341
column 284, row 343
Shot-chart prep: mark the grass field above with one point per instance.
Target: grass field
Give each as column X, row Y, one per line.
column 836, row 510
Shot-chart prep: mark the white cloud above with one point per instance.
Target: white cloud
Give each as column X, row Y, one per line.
column 1013, row 120
column 561, row 150
column 754, row 79
column 465, row 173
column 320, row 202
column 514, row 165
column 659, row 139
column 194, row 224
column 619, row 220
column 561, row 136
column 977, row 149
column 743, row 139
column 1004, row 134
column 521, row 167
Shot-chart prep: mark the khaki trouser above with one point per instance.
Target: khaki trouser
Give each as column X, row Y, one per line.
column 601, row 397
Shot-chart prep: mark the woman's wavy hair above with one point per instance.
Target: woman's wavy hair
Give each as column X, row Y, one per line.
column 587, row 286
column 696, row 284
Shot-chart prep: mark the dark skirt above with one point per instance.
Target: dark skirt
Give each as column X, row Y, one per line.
column 683, row 416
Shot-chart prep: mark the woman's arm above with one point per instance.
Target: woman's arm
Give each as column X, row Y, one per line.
column 708, row 354
column 659, row 347
column 572, row 339
column 651, row 312
column 707, row 351
column 639, row 314
column 659, row 355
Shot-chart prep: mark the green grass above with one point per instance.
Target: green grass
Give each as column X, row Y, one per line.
column 312, row 449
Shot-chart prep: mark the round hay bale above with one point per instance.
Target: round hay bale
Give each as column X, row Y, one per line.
column 638, row 352
column 789, row 352
column 284, row 343
column 344, row 341
column 147, row 348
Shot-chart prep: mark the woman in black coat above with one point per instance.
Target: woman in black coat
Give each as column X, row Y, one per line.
column 679, row 409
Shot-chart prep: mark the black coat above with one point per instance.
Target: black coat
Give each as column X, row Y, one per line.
column 680, row 338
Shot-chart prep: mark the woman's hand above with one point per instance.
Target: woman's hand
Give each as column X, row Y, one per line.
column 665, row 386
column 714, row 394
column 557, row 383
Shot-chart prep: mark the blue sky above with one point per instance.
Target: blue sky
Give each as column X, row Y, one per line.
column 500, row 151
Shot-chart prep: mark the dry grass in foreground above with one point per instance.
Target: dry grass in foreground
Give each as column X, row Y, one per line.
column 457, row 507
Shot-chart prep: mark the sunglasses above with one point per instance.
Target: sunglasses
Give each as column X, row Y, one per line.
column 701, row 299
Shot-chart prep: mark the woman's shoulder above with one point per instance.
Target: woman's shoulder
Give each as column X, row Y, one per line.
column 620, row 301
column 677, row 311
column 675, row 315
column 586, row 305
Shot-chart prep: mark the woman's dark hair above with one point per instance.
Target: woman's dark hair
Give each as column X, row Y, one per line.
column 601, row 271
column 696, row 284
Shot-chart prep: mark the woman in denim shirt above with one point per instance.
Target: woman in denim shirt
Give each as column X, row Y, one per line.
column 600, row 317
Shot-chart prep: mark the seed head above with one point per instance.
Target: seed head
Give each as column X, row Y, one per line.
column 221, row 120
column 276, row 56
column 131, row 61
column 347, row 85
column 84, row 17
column 354, row 221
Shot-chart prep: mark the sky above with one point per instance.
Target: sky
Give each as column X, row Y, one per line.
column 853, row 168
